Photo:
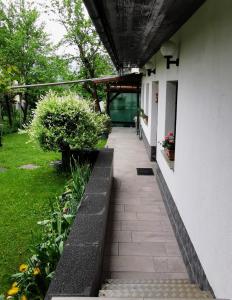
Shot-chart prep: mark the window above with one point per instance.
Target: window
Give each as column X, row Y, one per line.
column 142, row 96
column 171, row 107
column 146, row 106
column 170, row 121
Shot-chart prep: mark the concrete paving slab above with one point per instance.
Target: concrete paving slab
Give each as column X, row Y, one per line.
column 29, row 167
column 131, row 263
column 145, row 236
column 3, row 170
column 143, row 249
column 137, row 225
column 140, row 240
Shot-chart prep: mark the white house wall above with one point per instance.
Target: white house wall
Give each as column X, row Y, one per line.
column 201, row 183
column 151, row 110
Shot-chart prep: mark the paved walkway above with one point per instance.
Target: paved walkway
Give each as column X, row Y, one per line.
column 140, row 242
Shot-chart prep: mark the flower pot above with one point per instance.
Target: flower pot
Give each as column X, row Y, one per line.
column 170, row 154
column 145, row 119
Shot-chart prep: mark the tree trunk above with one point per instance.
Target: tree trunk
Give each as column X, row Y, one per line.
column 25, row 109
column 66, row 159
column 91, row 72
column 8, row 109
column 93, row 92
column 96, row 99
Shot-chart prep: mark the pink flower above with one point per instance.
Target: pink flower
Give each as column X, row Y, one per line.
column 166, row 137
column 170, row 134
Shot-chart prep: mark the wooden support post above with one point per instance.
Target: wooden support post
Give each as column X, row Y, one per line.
column 108, row 102
column 114, row 96
column 138, row 114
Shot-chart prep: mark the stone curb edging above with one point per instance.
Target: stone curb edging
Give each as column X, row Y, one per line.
column 79, row 270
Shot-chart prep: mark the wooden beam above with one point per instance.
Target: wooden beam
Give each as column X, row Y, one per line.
column 131, row 77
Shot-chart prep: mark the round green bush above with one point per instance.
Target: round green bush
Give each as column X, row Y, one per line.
column 66, row 123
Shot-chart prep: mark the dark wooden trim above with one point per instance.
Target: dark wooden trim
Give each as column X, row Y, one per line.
column 108, row 103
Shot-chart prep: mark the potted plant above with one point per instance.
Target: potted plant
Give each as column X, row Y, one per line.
column 144, row 116
column 169, row 145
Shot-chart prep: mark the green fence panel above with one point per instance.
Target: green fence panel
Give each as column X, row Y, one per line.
column 123, row 108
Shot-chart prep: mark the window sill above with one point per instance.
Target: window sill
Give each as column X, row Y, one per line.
column 170, row 163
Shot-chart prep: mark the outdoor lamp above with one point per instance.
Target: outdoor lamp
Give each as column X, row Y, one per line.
column 150, row 68
column 168, row 50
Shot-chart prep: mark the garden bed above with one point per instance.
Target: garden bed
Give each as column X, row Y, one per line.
column 78, row 272
column 26, row 196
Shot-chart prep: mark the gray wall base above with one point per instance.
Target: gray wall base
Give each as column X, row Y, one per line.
column 79, row 270
column 151, row 150
column 192, row 262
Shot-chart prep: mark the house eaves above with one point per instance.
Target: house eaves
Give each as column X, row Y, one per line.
column 132, row 30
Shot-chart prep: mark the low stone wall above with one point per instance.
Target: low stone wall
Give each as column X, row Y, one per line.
column 79, row 270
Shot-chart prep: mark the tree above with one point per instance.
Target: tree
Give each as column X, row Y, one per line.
column 25, row 47
column 92, row 59
column 66, row 123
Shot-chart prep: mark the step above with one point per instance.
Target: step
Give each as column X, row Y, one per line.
column 160, row 293
column 105, row 298
column 147, row 286
column 157, row 289
column 148, row 281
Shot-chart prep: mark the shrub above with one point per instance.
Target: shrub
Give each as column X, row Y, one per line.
column 66, row 123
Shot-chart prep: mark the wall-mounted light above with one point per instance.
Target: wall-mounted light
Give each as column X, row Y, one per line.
column 150, row 68
column 149, row 71
column 168, row 50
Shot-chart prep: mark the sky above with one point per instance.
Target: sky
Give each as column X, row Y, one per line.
column 55, row 30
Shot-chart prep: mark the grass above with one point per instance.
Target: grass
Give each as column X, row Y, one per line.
column 25, row 197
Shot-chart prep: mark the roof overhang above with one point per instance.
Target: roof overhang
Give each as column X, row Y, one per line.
column 129, row 80
column 133, row 31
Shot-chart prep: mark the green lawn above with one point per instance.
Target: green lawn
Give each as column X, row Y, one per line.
column 24, row 199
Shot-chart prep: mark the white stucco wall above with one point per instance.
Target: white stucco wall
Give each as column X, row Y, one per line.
column 201, row 183
column 151, row 109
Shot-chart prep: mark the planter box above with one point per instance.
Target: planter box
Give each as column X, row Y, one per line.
column 79, row 270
